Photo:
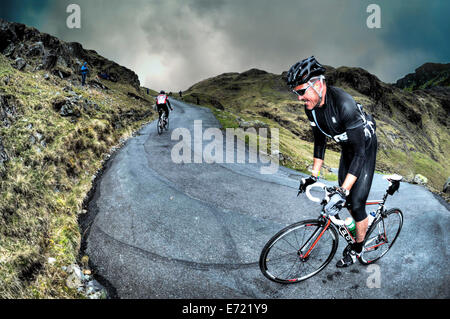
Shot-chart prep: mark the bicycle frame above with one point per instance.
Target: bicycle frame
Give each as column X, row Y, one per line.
column 332, row 221
column 162, row 117
column 306, row 255
column 328, row 221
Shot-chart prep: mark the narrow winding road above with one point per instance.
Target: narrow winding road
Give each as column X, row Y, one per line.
column 157, row 229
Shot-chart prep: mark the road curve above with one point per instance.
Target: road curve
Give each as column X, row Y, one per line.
column 156, row 229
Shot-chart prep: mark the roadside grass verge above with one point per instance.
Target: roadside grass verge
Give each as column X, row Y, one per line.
column 52, row 161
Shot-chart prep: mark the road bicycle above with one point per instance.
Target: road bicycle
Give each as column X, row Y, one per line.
column 163, row 123
column 303, row 249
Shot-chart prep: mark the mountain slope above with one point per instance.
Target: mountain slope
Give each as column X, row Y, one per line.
column 54, row 137
column 426, row 76
column 412, row 126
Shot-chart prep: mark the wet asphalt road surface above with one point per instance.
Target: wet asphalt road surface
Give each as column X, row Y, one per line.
column 157, row 229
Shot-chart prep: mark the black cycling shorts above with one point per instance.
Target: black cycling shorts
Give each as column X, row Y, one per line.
column 356, row 201
column 161, row 108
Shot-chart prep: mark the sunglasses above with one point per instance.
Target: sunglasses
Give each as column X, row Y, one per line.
column 302, row 92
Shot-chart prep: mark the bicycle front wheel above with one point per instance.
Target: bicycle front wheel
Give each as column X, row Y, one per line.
column 381, row 236
column 299, row 251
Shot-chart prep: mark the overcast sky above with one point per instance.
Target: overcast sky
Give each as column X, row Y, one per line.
column 172, row 44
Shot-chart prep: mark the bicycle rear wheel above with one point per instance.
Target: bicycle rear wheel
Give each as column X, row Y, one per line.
column 159, row 126
column 381, row 236
column 167, row 125
column 298, row 252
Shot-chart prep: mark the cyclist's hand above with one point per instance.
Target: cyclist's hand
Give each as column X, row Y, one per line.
column 336, row 202
column 305, row 182
column 171, row 109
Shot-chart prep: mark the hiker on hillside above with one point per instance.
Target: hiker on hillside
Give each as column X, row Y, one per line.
column 84, row 73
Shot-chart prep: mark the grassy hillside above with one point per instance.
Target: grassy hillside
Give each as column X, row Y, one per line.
column 412, row 126
column 426, row 76
column 260, row 96
column 54, row 137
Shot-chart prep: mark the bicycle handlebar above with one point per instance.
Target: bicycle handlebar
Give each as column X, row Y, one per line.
column 319, row 200
column 336, row 221
column 312, row 198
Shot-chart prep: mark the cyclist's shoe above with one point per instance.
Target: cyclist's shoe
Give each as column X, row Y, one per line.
column 348, row 260
column 346, row 250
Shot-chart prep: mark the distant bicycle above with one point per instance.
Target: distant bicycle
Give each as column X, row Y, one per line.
column 303, row 249
column 163, row 123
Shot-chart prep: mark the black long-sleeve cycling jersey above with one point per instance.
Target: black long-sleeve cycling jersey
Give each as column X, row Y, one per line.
column 341, row 118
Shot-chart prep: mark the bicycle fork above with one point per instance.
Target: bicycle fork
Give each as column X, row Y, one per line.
column 380, row 240
column 308, row 247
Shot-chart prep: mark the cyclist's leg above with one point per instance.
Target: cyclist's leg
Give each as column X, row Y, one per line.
column 166, row 111
column 344, row 166
column 361, row 188
column 160, row 110
column 356, row 201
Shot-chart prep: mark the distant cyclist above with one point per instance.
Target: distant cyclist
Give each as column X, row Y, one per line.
column 334, row 113
column 163, row 104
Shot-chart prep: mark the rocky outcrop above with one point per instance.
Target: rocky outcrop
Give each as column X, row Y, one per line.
column 27, row 46
column 8, row 110
column 447, row 186
column 420, row 179
column 359, row 79
column 74, row 105
column 426, row 76
column 19, row 64
column 3, row 155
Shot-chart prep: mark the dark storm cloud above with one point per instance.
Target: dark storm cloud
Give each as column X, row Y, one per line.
column 9, row 11
column 25, row 11
column 173, row 44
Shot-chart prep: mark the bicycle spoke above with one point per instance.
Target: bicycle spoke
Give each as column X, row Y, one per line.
column 382, row 236
column 285, row 264
column 284, row 239
column 283, row 260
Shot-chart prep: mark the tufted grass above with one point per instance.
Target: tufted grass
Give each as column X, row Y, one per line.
column 44, row 183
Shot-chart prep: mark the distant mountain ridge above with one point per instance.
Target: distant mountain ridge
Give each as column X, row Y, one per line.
column 426, row 76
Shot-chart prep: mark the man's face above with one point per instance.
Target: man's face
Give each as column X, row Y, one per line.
column 310, row 98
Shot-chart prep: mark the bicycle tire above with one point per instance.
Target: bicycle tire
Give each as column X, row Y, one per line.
column 374, row 242
column 158, row 127
column 167, row 125
column 269, row 271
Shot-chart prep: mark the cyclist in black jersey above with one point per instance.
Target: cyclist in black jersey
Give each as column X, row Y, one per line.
column 334, row 113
